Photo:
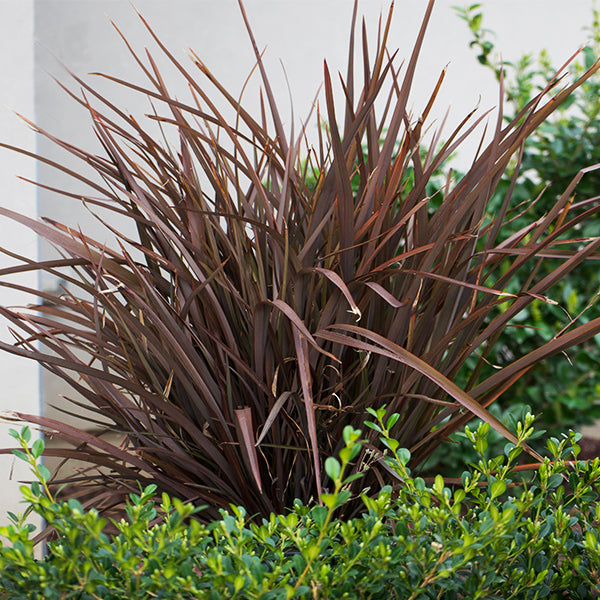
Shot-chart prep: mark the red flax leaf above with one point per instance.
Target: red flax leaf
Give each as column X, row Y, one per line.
column 244, row 418
column 350, row 72
column 307, row 397
column 74, row 433
column 579, row 335
column 383, row 293
column 272, row 415
column 265, row 79
column 339, row 283
column 385, row 158
column 459, row 282
column 68, row 243
column 298, row 325
column 345, row 196
column 387, row 348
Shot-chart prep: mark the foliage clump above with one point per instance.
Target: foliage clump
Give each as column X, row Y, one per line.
column 256, row 295
column 498, row 532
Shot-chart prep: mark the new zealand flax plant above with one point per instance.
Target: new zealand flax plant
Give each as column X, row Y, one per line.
column 273, row 292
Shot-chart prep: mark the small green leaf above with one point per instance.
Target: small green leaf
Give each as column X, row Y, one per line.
column 343, row 497
column 150, row 490
column 392, row 420
column 350, row 452
column 75, row 505
column 329, row 500
column 369, row 502
column 590, row 539
column 355, row 450
column 20, row 454
column 497, row 488
column 373, row 426
column 333, row 468
column 313, row 551
column 459, row 495
column 481, row 445
column 352, row 478
column 44, row 473
column 404, row 455
column 37, row 449
column 554, row 480
column 552, row 445
column 36, row 488
column 26, row 434
column 350, row 434
column 390, row 443
column 319, row 514
column 475, row 23
column 238, row 583
column 508, row 448
column 589, row 57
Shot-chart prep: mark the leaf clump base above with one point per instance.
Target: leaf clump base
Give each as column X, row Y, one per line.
column 496, row 534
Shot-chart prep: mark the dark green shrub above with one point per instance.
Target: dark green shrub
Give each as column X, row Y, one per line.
column 249, row 314
column 563, row 390
column 488, row 537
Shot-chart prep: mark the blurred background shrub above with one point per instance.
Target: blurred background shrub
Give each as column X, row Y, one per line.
column 563, row 391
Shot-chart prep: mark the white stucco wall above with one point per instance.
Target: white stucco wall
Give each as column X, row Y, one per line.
column 19, row 379
column 37, row 35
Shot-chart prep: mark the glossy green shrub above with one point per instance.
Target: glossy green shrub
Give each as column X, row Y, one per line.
column 564, row 390
column 483, row 536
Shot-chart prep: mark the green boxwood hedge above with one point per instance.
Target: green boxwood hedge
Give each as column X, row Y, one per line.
column 501, row 531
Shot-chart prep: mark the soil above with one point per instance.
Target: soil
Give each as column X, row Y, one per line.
column 590, row 448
